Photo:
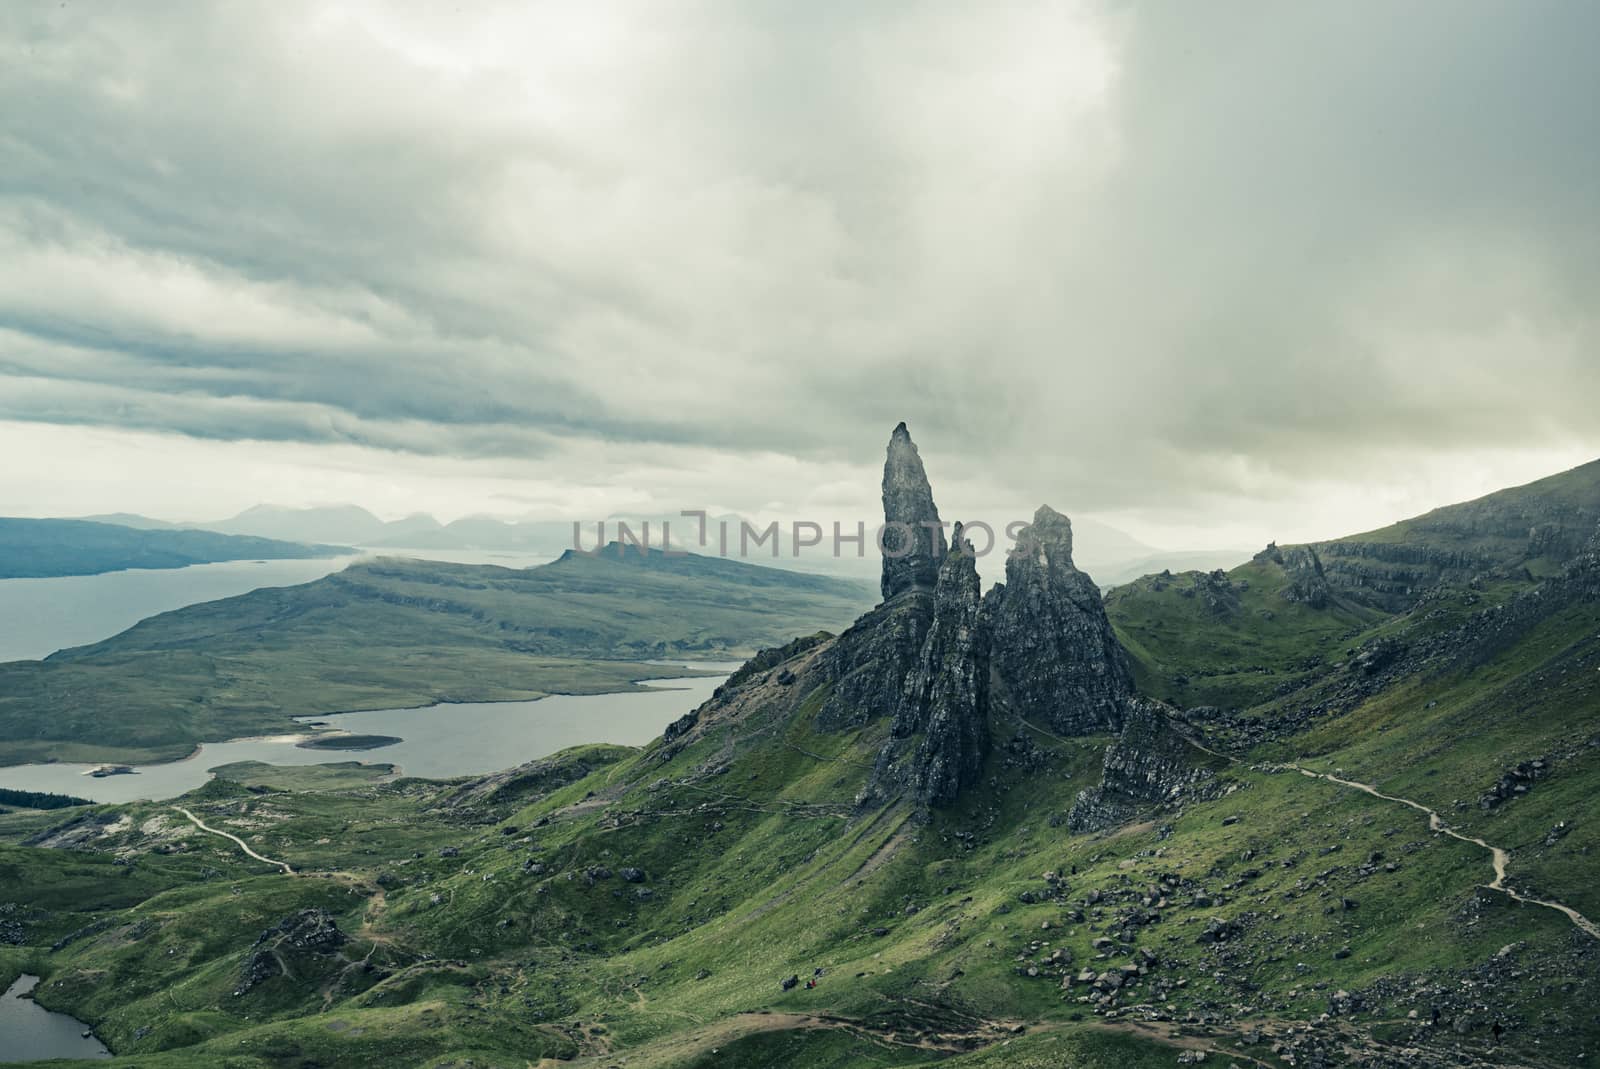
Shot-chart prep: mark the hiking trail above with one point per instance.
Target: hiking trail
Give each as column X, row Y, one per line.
column 1497, row 856
column 197, row 822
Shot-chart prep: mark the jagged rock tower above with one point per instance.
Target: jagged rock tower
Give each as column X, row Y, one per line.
column 921, row 658
column 935, row 664
column 1058, row 663
column 870, row 661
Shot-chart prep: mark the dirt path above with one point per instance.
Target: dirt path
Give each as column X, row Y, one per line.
column 1497, row 856
column 197, row 822
column 678, row 1047
column 1164, row 1035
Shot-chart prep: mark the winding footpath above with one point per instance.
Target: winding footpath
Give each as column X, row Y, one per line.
column 197, row 822
column 1496, row 855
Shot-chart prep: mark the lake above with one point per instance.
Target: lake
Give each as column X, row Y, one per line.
column 31, row 1033
column 40, row 616
column 438, row 741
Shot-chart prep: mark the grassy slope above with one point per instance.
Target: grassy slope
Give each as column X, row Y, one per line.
column 1260, row 644
column 336, row 775
column 762, row 871
column 1253, row 644
column 397, row 633
column 1496, row 525
column 1445, row 741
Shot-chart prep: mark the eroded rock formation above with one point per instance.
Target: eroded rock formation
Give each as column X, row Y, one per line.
column 937, row 662
column 909, row 513
column 940, row 732
column 1149, row 764
column 1056, row 657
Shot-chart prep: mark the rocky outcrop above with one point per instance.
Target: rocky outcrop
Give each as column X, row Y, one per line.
column 1500, row 534
column 940, row 732
column 868, row 664
column 1307, row 583
column 913, row 537
column 1057, row 660
column 1516, row 782
column 309, row 929
column 1417, row 652
column 1149, row 764
column 927, row 663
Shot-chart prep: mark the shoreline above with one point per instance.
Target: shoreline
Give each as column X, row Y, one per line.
column 138, row 568
column 294, row 738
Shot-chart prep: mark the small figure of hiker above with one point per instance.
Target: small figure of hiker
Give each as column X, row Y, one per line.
column 1498, row 1030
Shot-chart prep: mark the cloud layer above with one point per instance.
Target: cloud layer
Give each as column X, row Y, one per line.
column 1155, row 262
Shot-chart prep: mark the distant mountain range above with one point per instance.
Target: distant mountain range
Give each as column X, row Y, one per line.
column 354, row 525
column 31, row 548
column 1110, row 555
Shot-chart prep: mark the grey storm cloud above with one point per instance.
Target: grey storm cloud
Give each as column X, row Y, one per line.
column 1120, row 249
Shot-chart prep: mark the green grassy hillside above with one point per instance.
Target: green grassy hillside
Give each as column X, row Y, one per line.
column 391, row 633
column 1229, row 640
column 1329, row 898
column 501, row 920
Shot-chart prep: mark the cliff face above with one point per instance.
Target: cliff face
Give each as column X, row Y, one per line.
column 1054, row 651
column 867, row 665
column 1303, row 568
column 1548, row 520
column 940, row 733
column 1393, row 576
column 1149, row 764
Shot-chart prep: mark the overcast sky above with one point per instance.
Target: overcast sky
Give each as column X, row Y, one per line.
column 1214, row 273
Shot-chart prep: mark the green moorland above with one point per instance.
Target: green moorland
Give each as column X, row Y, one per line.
column 390, row 633
column 614, row 906
column 337, row 775
column 1233, row 640
column 1197, row 639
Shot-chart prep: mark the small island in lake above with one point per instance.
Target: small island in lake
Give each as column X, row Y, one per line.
column 348, row 742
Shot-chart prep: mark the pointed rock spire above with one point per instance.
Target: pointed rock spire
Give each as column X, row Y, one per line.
column 913, row 539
